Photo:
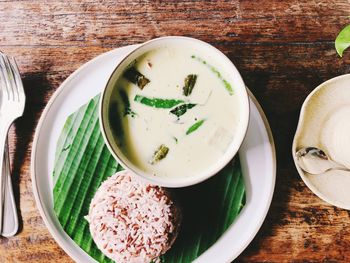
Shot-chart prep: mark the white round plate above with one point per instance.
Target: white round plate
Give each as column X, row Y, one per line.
column 257, row 155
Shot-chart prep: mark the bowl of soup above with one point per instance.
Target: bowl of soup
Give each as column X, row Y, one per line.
column 174, row 111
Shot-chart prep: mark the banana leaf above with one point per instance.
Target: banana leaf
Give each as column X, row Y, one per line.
column 83, row 162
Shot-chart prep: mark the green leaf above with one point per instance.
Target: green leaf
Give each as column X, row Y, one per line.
column 136, row 77
column 227, row 85
column 342, row 41
column 160, row 154
column 157, row 102
column 80, row 170
column 83, row 162
column 190, row 81
column 195, row 126
column 208, row 212
column 126, row 102
column 182, row 109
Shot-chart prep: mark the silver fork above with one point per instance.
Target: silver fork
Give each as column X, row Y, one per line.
column 10, row 222
column 12, row 107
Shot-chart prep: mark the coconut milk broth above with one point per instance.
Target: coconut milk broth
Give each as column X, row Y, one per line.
column 148, row 128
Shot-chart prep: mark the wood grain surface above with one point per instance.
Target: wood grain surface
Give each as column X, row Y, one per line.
column 283, row 49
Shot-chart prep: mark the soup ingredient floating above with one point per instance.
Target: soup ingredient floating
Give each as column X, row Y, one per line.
column 190, row 81
column 160, row 154
column 126, row 103
column 181, row 110
column 157, row 102
column 132, row 221
column 136, row 77
column 194, row 127
column 216, row 72
column 184, row 105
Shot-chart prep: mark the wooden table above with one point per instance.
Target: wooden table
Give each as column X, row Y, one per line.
column 283, row 49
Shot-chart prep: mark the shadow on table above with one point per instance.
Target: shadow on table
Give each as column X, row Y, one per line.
column 282, row 106
column 36, row 86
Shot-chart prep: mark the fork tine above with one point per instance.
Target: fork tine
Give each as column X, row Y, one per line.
column 11, row 79
column 18, row 79
column 3, row 86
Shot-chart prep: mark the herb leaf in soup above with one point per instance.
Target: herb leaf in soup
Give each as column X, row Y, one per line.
column 190, row 81
column 126, row 102
column 159, row 154
column 157, row 102
column 195, row 126
column 227, row 85
column 136, row 77
column 181, row 109
column 342, row 42
column 115, row 121
column 175, row 139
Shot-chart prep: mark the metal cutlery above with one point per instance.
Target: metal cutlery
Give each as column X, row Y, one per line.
column 315, row 161
column 10, row 222
column 12, row 107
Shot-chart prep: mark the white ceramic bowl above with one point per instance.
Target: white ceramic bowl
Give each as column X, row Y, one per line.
column 239, row 88
column 319, row 127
